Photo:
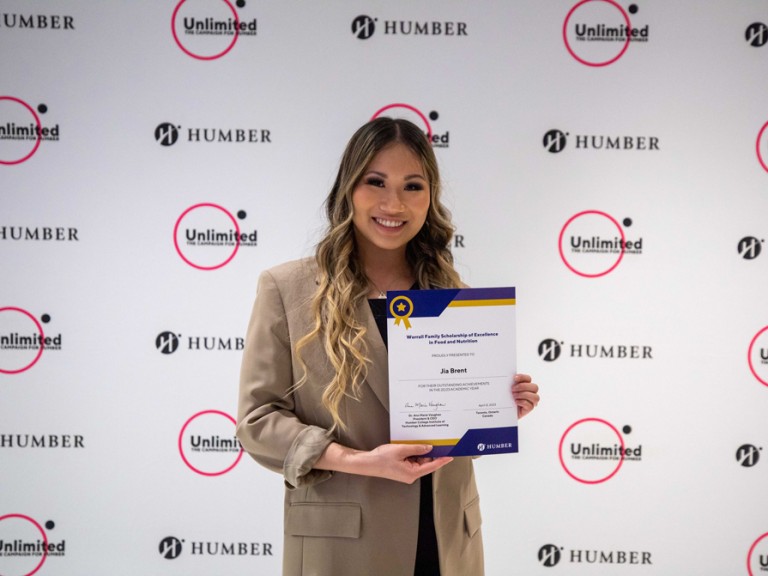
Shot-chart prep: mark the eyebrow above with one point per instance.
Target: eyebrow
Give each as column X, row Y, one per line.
column 383, row 175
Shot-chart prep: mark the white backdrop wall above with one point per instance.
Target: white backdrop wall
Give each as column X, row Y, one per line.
column 116, row 441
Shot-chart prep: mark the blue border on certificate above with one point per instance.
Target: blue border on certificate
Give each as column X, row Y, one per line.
column 479, row 441
column 432, row 303
column 405, row 307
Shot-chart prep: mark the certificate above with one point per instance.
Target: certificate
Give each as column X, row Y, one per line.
column 451, row 365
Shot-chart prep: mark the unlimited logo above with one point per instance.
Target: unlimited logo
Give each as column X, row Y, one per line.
column 22, row 340
column 209, row 29
column 593, row 243
column 413, row 114
column 207, row 236
column 592, row 450
column 22, row 131
column 757, row 356
column 25, row 545
column 757, row 557
column 598, row 32
column 207, row 443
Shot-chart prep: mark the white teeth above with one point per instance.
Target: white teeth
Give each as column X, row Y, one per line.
column 389, row 223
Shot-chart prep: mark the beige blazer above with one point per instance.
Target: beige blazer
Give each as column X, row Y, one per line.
column 339, row 524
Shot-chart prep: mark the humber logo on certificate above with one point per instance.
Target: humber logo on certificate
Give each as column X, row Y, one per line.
column 451, row 361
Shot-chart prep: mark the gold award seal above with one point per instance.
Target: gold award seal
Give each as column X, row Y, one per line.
column 401, row 308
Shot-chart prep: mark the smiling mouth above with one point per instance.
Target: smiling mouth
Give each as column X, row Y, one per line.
column 389, row 223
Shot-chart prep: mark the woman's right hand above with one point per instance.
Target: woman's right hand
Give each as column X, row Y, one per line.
column 400, row 462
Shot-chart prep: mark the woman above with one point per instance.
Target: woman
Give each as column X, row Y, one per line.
column 313, row 391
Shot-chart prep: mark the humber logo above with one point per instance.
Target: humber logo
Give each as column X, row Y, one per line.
column 747, row 455
column 166, row 134
column 749, row 247
column 756, row 34
column 549, row 350
column 363, row 27
column 170, row 547
column 549, row 555
column 554, row 141
column 167, row 342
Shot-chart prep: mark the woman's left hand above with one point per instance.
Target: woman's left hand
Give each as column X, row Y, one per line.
column 525, row 393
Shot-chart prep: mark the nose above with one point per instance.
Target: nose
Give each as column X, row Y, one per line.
column 390, row 200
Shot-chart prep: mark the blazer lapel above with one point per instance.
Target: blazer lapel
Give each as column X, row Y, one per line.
column 378, row 369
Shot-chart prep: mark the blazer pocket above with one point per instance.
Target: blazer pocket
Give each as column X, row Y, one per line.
column 472, row 518
column 326, row 520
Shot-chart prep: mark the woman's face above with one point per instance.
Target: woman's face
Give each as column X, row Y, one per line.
column 391, row 201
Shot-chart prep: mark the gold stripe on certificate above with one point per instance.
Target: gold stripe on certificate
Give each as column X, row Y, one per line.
column 498, row 302
column 442, row 442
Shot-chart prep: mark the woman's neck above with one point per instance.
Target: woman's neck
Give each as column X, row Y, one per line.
column 386, row 271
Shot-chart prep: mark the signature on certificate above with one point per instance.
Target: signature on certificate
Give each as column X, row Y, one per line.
column 425, row 405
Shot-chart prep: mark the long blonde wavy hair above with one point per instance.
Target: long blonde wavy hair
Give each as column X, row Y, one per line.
column 342, row 283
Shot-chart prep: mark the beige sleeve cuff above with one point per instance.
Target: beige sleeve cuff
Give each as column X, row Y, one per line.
column 306, row 449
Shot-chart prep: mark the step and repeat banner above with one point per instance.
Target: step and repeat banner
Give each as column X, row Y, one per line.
column 607, row 158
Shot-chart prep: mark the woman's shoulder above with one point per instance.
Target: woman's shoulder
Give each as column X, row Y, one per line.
column 293, row 267
column 293, row 273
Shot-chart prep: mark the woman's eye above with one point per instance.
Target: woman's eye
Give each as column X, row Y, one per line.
column 375, row 182
column 414, row 186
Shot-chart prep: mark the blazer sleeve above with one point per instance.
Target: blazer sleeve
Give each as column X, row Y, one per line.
column 268, row 427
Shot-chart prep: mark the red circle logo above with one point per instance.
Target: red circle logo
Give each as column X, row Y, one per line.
column 612, row 263
column 584, row 60
column 11, row 325
column 607, row 475
column 205, row 245
column 218, row 52
column 210, row 442
column 11, row 101
column 409, row 109
column 5, row 524
column 752, row 551
column 759, row 147
column 762, row 358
